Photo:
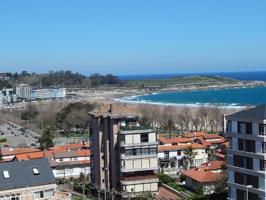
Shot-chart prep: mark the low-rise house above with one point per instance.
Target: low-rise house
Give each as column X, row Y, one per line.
column 28, row 180
column 70, row 163
column 175, row 158
column 205, row 176
column 10, row 153
column 66, row 161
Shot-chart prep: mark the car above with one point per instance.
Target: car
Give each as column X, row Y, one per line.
column 32, row 144
column 12, row 132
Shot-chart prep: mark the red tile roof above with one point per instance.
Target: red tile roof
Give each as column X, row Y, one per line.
column 205, row 172
column 175, row 140
column 18, row 151
column 180, row 147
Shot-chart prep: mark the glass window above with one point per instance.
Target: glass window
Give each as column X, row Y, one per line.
column 262, row 129
column 144, row 137
column 35, row 171
column 153, row 151
column 6, row 174
column 145, row 151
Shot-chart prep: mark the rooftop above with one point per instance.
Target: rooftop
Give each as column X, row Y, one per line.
column 205, row 172
column 257, row 113
column 20, row 174
column 114, row 111
column 180, row 147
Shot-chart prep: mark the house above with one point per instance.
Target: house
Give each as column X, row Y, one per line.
column 66, row 161
column 28, row 180
column 206, row 176
column 173, row 156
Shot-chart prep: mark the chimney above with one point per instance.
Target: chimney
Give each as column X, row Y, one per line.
column 111, row 108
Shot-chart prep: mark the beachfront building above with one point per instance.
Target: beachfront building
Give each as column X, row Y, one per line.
column 177, row 154
column 48, row 93
column 123, row 154
column 246, row 165
column 206, row 175
column 23, row 91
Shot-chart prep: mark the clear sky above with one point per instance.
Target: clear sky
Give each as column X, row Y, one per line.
column 133, row 36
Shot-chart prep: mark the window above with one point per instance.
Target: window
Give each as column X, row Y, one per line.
column 263, row 147
column 179, row 152
column 245, row 128
column 153, row 150
column 6, row 174
column 246, row 145
column 35, row 171
column 145, row 151
column 166, row 154
column 262, row 129
column 262, row 165
column 229, row 126
column 128, row 152
column 144, row 137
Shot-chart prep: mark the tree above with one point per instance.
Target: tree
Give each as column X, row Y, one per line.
column 46, row 140
column 189, row 156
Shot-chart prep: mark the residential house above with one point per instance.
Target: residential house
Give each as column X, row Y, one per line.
column 28, row 180
column 205, row 176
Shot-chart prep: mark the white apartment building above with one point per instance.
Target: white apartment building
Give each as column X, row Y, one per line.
column 49, row 93
column 246, row 131
column 23, row 91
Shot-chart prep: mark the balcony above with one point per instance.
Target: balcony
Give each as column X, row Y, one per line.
column 139, row 179
column 123, row 169
column 135, row 129
column 124, row 156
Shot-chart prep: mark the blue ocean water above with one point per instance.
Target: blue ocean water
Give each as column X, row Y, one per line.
column 260, row 76
column 221, row 97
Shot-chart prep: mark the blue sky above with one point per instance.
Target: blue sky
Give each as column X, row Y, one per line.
column 133, row 36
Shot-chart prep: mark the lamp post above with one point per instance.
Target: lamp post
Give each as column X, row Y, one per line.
column 248, row 186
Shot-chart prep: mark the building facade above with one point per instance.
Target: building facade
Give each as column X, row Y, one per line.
column 51, row 93
column 124, row 155
column 23, row 91
column 246, row 131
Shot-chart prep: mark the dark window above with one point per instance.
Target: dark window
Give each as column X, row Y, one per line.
column 247, row 145
column 179, row 152
column 144, row 137
column 262, row 165
column 166, row 154
column 252, row 180
column 240, row 194
column 41, row 194
column 263, row 147
column 229, row 126
column 244, row 128
column 239, row 178
column 128, row 152
column 238, row 161
column 249, row 163
column 153, row 150
column 262, row 129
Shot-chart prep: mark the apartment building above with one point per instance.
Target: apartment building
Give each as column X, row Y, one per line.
column 23, row 91
column 29, row 180
column 123, row 154
column 246, row 131
column 48, row 93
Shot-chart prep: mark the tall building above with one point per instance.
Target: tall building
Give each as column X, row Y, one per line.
column 246, row 131
column 124, row 154
column 23, row 91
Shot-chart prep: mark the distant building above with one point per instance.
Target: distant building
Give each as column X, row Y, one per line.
column 23, row 91
column 246, row 131
column 51, row 93
column 8, row 96
column 124, row 154
column 28, row 180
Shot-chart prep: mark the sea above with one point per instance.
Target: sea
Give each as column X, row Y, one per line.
column 233, row 97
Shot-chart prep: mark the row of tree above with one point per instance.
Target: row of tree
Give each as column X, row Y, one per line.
column 172, row 119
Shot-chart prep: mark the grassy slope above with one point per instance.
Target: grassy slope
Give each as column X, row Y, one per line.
column 191, row 80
